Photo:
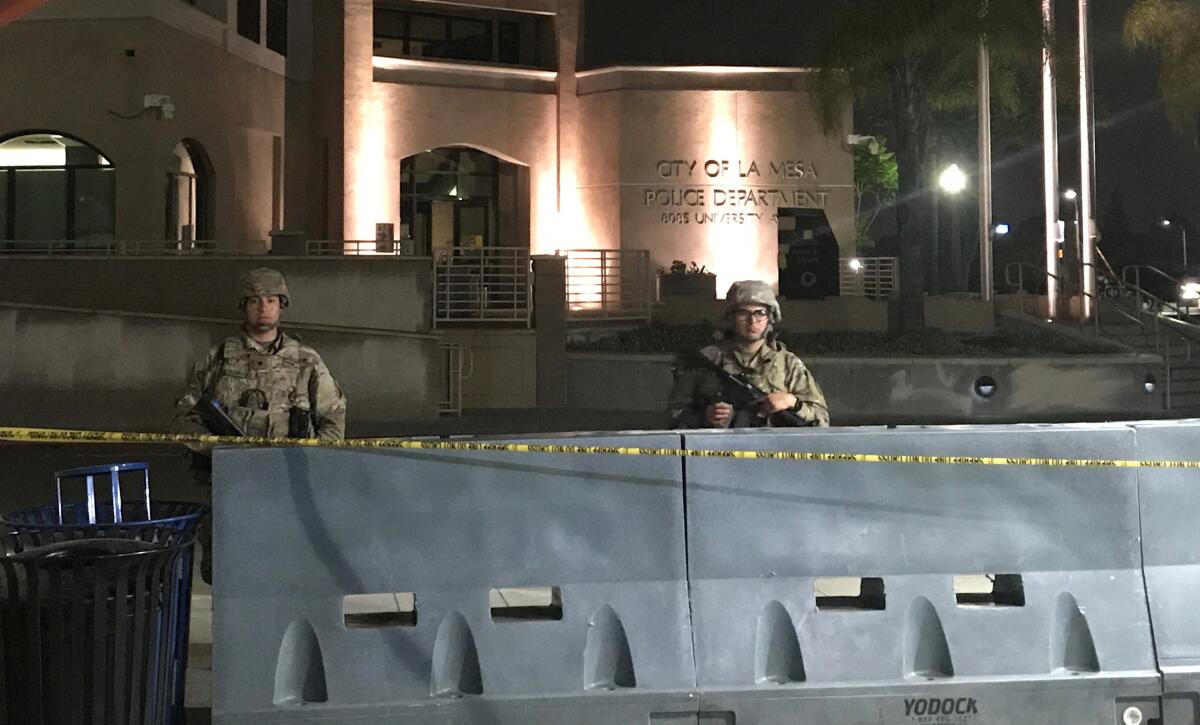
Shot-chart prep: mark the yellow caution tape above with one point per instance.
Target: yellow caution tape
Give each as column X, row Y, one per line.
column 57, row 435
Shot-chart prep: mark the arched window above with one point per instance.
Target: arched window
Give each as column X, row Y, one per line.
column 53, row 186
column 189, row 189
column 455, row 196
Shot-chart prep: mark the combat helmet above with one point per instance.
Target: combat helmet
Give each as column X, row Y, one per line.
column 753, row 292
column 263, row 281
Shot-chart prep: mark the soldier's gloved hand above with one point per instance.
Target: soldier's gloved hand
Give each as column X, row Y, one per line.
column 775, row 402
column 719, row 415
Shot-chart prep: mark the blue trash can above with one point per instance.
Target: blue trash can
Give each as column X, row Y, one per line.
column 87, row 624
column 137, row 513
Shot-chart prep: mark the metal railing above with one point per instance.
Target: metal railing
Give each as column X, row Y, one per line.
column 1142, row 316
column 877, row 278
column 459, row 364
column 487, row 284
column 1040, row 275
column 608, row 284
column 353, row 248
column 1146, row 301
column 133, row 248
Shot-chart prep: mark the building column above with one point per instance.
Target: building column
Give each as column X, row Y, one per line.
column 301, row 172
column 550, row 322
column 358, row 214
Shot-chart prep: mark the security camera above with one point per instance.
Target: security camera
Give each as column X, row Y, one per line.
column 161, row 101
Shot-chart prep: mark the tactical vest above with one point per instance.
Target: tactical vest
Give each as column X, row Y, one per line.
column 259, row 390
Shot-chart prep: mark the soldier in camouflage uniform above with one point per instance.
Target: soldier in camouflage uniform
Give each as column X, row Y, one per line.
column 751, row 312
column 269, row 382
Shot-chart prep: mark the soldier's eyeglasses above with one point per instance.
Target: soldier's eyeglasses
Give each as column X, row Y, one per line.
column 750, row 314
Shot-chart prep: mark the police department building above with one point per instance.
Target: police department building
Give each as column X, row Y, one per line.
column 439, row 125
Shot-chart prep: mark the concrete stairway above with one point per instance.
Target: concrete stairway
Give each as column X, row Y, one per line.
column 1181, row 396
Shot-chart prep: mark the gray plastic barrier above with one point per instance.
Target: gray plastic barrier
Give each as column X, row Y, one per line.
column 760, row 534
column 1064, row 635
column 296, row 530
column 1170, row 501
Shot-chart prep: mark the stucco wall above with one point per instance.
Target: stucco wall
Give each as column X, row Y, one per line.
column 690, row 117
column 123, row 371
column 385, row 122
column 907, row 390
column 402, row 120
column 66, row 75
column 500, row 367
column 386, row 293
column 950, row 314
column 831, row 313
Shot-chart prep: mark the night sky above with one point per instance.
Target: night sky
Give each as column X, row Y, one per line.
column 1155, row 171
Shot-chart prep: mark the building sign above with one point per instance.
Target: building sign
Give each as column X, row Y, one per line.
column 739, row 191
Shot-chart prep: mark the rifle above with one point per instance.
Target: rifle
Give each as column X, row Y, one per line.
column 214, row 417
column 746, row 396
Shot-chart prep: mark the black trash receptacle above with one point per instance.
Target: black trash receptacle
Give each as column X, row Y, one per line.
column 87, row 624
column 135, row 513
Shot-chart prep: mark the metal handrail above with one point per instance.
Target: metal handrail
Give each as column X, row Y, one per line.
column 455, row 355
column 1042, row 273
column 1142, row 293
column 1137, row 273
column 360, row 247
column 1161, row 341
column 132, row 247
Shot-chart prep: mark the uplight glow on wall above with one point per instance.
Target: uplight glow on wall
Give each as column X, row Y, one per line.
column 367, row 183
column 733, row 251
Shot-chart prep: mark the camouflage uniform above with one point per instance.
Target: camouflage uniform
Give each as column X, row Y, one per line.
column 771, row 369
column 259, row 385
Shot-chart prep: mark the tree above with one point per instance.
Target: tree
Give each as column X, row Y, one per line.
column 875, row 181
column 918, row 58
column 1171, row 30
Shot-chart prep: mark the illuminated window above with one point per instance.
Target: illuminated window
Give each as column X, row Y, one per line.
column 459, row 197
column 55, row 187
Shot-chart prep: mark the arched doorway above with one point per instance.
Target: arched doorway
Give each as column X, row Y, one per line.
column 55, row 186
column 461, row 197
column 189, row 193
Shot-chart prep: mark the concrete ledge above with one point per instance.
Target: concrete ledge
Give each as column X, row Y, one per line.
column 383, row 293
column 463, row 75
column 865, row 391
column 123, row 371
column 831, row 313
column 692, row 78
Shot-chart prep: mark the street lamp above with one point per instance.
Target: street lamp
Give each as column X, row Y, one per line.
column 1001, row 229
column 952, row 180
column 1183, row 241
